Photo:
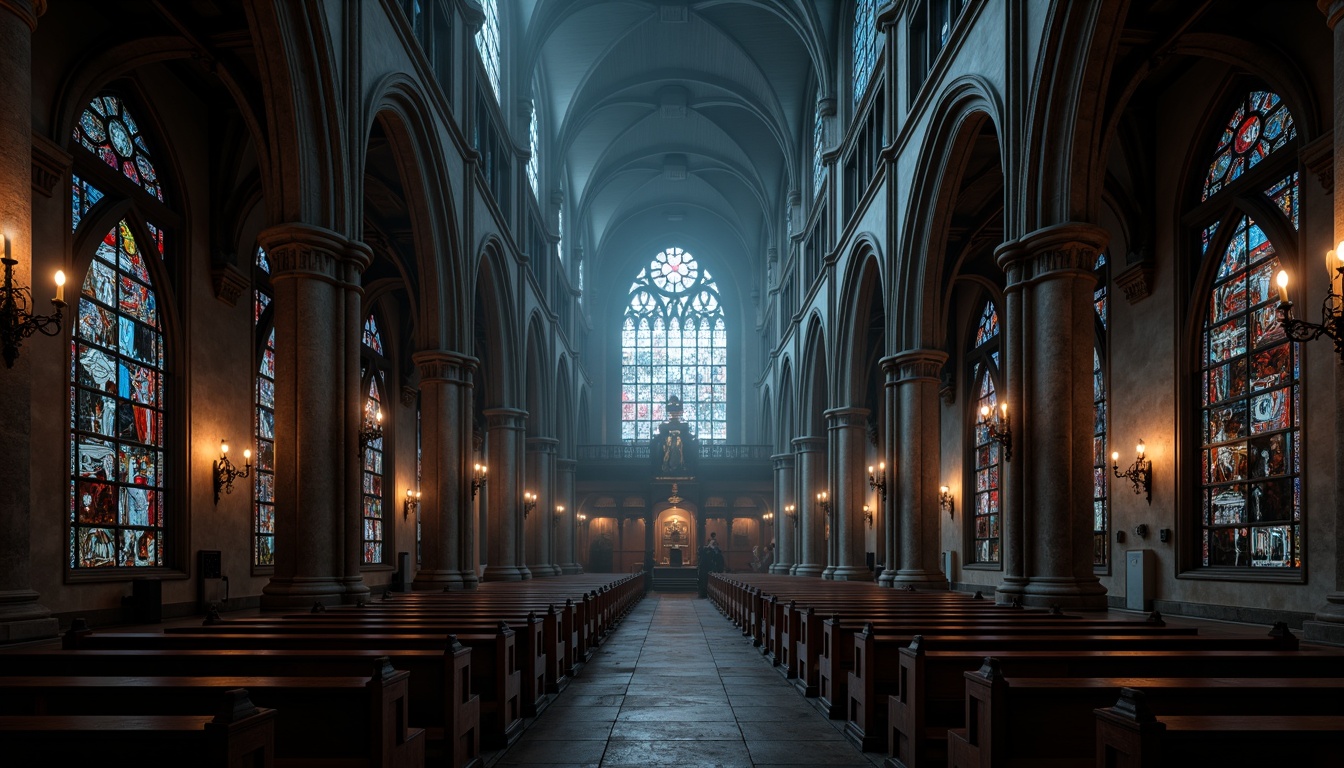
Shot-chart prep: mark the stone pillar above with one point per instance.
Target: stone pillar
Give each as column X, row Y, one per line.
column 22, row 617
column 503, row 495
column 811, row 522
column 318, row 325
column 1049, row 340
column 786, row 530
column 1327, row 626
column 445, row 439
column 565, row 525
column 541, row 473
column 849, row 434
column 891, row 528
column 917, row 465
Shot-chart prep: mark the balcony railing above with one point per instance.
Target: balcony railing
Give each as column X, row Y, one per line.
column 640, row 452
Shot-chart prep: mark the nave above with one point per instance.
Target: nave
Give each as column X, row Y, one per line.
column 677, row 685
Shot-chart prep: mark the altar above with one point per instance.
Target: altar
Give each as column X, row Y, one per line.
column 674, row 557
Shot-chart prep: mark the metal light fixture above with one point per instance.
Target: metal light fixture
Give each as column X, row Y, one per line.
column 999, row 427
column 581, row 517
column 878, row 481
column 559, row 514
column 945, row 502
column 1140, row 473
column 372, row 430
column 477, row 479
column 768, row 518
column 225, row 473
column 1332, row 310
column 17, row 321
column 791, row 513
column 412, row 502
column 529, row 503
column 868, row 515
column 824, row 502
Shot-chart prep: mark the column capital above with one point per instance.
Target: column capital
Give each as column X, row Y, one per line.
column 441, row 365
column 303, row 250
column 1333, row 10
column 782, row 461
column 809, row 444
column 852, row 416
column 27, row 10
column 915, row 364
column 1071, row 247
column 542, row 444
column 505, row 418
column 566, row 465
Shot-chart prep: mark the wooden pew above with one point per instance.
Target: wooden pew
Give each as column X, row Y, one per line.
column 360, row 721
column 240, row 735
column 1038, row 721
column 1129, row 735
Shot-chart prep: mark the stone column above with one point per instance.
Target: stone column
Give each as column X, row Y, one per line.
column 786, row 531
column 1327, row 626
column 22, row 617
column 540, row 473
column 1048, row 350
column 503, row 496
column 445, row 485
column 891, row 528
column 849, row 433
column 811, row 523
column 917, row 465
column 318, row 415
column 565, row 526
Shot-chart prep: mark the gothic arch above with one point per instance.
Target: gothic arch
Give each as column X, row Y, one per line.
column 784, row 425
column 815, row 390
column 495, row 342
column 862, row 297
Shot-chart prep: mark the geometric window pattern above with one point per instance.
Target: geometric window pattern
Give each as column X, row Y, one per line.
column 1260, row 125
column 674, row 342
column 117, row 515
column 487, row 43
column 107, row 130
column 263, row 468
column 532, row 161
column 865, row 45
column 1100, row 458
column 374, row 520
column 1250, row 422
column 988, row 328
column 817, row 129
column 988, row 519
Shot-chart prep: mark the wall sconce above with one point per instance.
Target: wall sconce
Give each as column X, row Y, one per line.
column 412, row 502
column 1332, row 310
column 477, row 479
column 529, row 503
column 224, row 471
column 17, row 321
column 999, row 427
column 559, row 514
column 768, row 518
column 824, row 502
column 582, row 518
column 945, row 502
column 1140, row 473
column 878, row 481
column 791, row 513
column 868, row 515
column 371, row 431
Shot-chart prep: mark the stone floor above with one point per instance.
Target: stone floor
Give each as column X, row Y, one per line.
column 678, row 685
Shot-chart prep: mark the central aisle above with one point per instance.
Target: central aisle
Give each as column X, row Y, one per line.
column 678, row 685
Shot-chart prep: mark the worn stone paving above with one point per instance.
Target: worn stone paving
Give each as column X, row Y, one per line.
column 678, row 685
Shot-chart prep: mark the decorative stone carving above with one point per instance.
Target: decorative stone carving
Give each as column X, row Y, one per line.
column 442, row 365
column 50, row 165
column 229, row 283
column 1319, row 158
column 1136, row 281
column 408, row 395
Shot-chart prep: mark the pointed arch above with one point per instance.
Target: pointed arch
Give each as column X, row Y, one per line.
column 495, row 340
column 863, row 304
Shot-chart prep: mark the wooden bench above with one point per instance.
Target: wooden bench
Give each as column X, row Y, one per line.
column 240, row 735
column 1129, row 735
column 1038, row 721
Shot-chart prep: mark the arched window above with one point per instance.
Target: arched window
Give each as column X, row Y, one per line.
column 263, row 468
column 818, row 131
column 533, row 163
column 1101, row 471
column 374, row 518
column 487, row 43
column 674, row 342
column 119, row 451
column 865, row 45
column 986, row 520
column 1249, row 422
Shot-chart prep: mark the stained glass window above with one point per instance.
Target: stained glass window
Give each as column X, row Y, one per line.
column 372, row 339
column 865, row 45
column 674, row 342
column 532, row 161
column 487, row 43
column 988, row 329
column 374, row 518
column 107, row 129
column 1250, row 420
column 985, row 547
column 1100, row 457
column 818, row 130
column 263, row 468
column 117, row 442
column 83, row 196
column 1261, row 124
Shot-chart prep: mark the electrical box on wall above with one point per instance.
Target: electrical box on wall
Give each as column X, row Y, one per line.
column 1139, row 579
column 212, row 563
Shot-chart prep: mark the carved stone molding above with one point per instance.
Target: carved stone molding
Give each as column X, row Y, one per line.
column 1061, row 248
column 229, row 283
column 1319, row 158
column 50, row 165
column 505, row 418
column 444, row 366
column 809, row 444
column 1136, row 281
column 27, row 10
column 303, row 250
column 782, row 461
column 408, row 395
column 542, row 444
column 838, row 418
column 915, row 364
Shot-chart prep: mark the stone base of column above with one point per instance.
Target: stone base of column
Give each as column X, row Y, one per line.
column 828, row 572
column 543, row 570
column 885, row 578
column 355, row 590
column 436, row 581
column 1327, row 626
column 784, row 568
column 924, row 580
column 852, row 573
column 570, row 569
column 288, row 594
column 470, row 580
column 503, row 573
column 808, row 569
column 525, row 573
column 23, row 618
column 1067, row 593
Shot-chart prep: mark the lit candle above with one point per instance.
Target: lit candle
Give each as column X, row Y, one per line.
column 1115, row 457
column 870, row 469
column 984, row 411
column 6, row 239
column 943, row 489
column 247, row 454
column 224, row 447
column 1141, row 449
column 60, row 286
column 1282, row 280
column 379, row 416
column 882, row 466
